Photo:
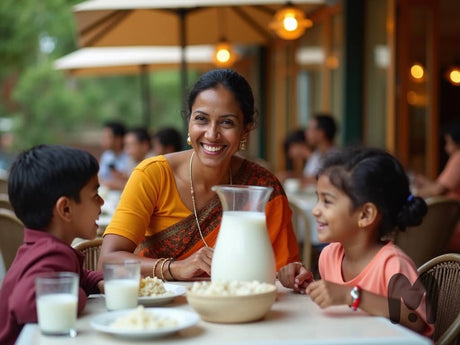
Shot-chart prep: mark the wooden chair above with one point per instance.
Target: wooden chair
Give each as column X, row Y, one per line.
column 445, row 269
column 11, row 236
column 431, row 238
column 3, row 185
column 302, row 226
column 5, row 202
column 92, row 250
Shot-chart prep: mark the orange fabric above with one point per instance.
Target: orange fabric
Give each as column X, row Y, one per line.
column 375, row 277
column 151, row 209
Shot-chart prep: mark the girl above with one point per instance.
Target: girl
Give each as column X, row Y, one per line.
column 363, row 195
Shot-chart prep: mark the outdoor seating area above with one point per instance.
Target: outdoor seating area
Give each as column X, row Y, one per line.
column 230, row 172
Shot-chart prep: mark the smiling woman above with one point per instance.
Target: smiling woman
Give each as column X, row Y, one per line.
column 168, row 210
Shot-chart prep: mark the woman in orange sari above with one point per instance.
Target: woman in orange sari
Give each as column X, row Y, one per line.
column 168, row 211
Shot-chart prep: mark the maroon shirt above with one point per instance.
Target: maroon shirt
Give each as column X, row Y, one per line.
column 41, row 252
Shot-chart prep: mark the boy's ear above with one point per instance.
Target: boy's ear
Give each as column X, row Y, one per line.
column 369, row 214
column 63, row 208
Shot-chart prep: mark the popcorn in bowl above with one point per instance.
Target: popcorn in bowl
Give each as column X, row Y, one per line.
column 230, row 288
column 231, row 302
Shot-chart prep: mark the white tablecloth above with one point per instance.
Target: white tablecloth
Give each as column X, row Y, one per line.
column 293, row 319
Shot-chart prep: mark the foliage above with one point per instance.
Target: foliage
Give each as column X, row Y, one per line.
column 48, row 111
column 50, row 107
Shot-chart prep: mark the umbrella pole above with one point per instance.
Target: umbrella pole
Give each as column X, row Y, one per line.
column 145, row 96
column 183, row 64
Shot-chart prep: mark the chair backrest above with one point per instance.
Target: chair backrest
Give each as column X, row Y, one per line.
column 431, row 238
column 302, row 229
column 3, row 185
column 92, row 250
column 5, row 202
column 11, row 236
column 445, row 269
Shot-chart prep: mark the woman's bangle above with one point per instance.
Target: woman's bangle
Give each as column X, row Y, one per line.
column 169, row 268
column 161, row 269
column 155, row 266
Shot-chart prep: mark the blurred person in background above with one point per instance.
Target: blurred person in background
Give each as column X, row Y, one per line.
column 448, row 182
column 296, row 152
column 166, row 140
column 137, row 145
column 320, row 135
column 114, row 161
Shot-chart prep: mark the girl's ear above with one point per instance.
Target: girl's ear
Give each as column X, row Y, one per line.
column 369, row 215
column 63, row 208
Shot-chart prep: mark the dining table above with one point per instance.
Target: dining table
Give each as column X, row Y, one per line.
column 293, row 319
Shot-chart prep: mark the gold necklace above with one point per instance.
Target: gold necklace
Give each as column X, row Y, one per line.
column 192, row 193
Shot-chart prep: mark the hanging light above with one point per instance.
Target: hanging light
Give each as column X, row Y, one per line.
column 417, row 72
column 224, row 55
column 453, row 75
column 290, row 23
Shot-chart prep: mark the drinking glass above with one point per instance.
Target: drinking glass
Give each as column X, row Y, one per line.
column 121, row 284
column 57, row 301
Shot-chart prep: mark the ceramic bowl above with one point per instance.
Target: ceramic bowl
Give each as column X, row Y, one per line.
column 232, row 309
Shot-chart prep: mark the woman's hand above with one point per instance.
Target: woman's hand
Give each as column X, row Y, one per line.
column 325, row 293
column 295, row 276
column 194, row 266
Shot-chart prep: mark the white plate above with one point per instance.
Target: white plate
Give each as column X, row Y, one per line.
column 172, row 292
column 185, row 319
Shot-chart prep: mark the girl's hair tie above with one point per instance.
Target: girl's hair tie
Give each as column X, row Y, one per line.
column 410, row 198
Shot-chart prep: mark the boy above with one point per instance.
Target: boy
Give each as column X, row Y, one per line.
column 54, row 192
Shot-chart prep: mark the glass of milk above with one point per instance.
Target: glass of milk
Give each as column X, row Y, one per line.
column 57, row 300
column 121, row 284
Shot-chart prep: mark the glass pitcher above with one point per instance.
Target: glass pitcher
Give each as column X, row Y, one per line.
column 243, row 249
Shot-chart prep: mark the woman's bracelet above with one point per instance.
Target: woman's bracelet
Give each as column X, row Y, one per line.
column 155, row 266
column 169, row 268
column 161, row 269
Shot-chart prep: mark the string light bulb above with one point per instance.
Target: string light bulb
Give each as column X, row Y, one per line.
column 417, row 71
column 224, row 55
column 290, row 23
column 453, row 75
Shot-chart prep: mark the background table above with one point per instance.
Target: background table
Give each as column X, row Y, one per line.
column 293, row 319
column 306, row 201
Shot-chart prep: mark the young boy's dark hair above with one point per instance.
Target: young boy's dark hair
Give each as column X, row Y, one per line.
column 44, row 173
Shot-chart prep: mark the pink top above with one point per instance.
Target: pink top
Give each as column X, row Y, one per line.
column 375, row 277
column 450, row 176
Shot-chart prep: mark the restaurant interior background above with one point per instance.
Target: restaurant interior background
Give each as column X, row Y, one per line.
column 354, row 62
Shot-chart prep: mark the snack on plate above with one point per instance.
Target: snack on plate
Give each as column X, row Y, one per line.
column 231, row 288
column 141, row 319
column 149, row 286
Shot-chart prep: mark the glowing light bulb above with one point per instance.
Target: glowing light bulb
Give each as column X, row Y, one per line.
column 417, row 71
column 454, row 76
column 290, row 23
column 223, row 55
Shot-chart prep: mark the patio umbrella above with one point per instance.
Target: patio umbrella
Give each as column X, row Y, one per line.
column 133, row 60
column 179, row 22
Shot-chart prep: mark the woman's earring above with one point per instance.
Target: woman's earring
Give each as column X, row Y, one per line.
column 243, row 144
column 189, row 141
column 360, row 224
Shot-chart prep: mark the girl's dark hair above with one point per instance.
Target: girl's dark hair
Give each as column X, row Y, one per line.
column 374, row 175
column 41, row 175
column 233, row 82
